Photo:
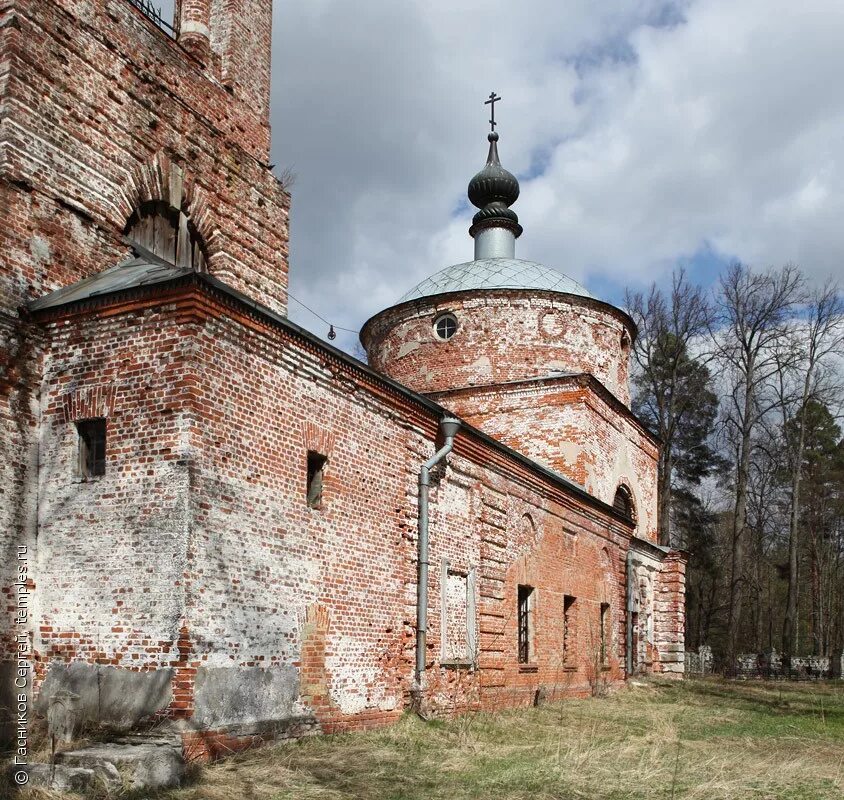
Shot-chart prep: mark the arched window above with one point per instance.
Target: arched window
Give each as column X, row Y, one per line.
column 167, row 233
column 623, row 502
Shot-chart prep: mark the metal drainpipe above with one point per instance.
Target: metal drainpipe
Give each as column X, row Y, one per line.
column 449, row 427
column 630, row 609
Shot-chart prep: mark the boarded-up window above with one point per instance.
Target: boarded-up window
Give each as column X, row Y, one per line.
column 623, row 503
column 457, row 615
column 167, row 233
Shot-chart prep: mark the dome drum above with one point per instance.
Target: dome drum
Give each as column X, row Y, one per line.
column 498, row 336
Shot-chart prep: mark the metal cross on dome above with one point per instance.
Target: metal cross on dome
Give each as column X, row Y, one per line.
column 493, row 99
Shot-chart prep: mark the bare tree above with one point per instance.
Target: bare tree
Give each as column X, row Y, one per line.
column 767, row 516
column 670, row 383
column 754, row 309
column 818, row 336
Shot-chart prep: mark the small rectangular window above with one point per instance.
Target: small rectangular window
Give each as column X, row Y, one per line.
column 92, row 447
column 525, row 624
column 605, row 632
column 569, row 629
column 316, row 471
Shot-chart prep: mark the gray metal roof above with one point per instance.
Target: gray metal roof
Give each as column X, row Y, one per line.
column 495, row 273
column 136, row 271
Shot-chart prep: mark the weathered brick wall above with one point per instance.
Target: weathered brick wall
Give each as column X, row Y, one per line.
column 19, row 364
column 658, row 596
column 264, row 562
column 645, row 568
column 352, row 562
column 112, row 550
column 670, row 615
column 241, row 37
column 502, row 335
column 572, row 426
column 558, row 553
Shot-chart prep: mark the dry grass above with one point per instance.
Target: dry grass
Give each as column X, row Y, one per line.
column 698, row 740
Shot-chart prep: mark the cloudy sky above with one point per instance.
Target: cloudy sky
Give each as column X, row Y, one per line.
column 645, row 134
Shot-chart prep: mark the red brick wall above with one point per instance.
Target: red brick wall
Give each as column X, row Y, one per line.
column 102, row 111
column 503, row 335
column 670, row 615
column 112, row 550
column 19, row 368
column 572, row 426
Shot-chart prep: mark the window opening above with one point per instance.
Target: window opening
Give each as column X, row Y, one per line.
column 623, row 502
column 316, row 471
column 525, row 624
column 445, row 326
column 167, row 232
column 605, row 633
column 92, row 447
column 568, row 627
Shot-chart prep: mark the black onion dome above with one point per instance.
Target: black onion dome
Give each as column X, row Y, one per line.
column 493, row 184
column 493, row 190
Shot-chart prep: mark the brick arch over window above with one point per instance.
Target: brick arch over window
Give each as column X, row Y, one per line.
column 623, row 502
column 161, row 184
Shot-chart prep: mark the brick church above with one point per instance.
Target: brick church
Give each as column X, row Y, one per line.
column 215, row 520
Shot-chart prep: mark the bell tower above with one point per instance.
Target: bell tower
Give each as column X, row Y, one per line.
column 110, row 108
column 117, row 123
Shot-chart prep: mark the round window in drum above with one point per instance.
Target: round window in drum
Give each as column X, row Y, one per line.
column 445, row 326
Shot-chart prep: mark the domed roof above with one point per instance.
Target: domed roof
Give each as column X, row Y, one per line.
column 495, row 273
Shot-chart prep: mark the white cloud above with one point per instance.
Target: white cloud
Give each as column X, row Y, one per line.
column 655, row 129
